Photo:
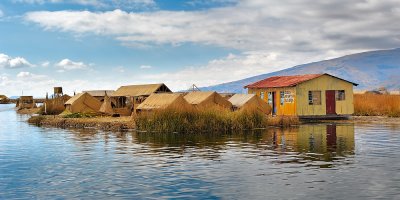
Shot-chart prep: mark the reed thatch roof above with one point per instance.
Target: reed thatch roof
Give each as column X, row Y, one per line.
column 140, row 90
column 209, row 98
column 3, row 97
column 106, row 107
column 243, row 101
column 100, row 93
column 162, row 101
column 83, row 103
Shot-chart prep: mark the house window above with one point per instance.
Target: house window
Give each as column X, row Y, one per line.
column 314, row 97
column 282, row 95
column 340, row 95
column 270, row 98
column 262, row 95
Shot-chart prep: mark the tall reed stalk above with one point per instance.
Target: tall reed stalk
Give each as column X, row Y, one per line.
column 377, row 105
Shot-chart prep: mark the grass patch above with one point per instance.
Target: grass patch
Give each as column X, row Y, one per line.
column 214, row 119
column 377, row 105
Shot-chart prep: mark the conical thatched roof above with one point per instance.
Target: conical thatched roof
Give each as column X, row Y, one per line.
column 249, row 101
column 209, row 98
column 83, row 103
column 106, row 107
column 162, row 101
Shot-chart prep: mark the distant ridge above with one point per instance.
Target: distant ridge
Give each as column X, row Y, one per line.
column 370, row 70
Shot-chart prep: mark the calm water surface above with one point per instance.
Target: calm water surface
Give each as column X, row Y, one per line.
column 307, row 162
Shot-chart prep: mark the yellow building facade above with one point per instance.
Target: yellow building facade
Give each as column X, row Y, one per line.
column 312, row 95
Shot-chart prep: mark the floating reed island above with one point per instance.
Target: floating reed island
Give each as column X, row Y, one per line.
column 275, row 101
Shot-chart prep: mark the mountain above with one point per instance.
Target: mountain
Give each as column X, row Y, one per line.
column 369, row 69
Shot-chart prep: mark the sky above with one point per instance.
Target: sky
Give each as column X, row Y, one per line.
column 103, row 44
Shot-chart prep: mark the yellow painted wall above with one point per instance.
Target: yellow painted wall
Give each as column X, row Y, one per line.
column 288, row 108
column 323, row 83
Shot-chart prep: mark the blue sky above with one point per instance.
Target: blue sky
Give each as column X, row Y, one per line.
column 103, row 44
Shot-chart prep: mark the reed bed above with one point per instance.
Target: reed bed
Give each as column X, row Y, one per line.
column 377, row 105
column 214, row 119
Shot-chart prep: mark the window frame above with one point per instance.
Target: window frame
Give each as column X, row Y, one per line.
column 282, row 97
column 340, row 95
column 312, row 97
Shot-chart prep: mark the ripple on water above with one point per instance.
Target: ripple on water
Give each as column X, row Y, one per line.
column 306, row 162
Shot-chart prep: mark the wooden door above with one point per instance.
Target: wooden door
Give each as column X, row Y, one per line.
column 330, row 102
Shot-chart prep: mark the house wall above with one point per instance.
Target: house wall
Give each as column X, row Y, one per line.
column 323, row 83
column 289, row 104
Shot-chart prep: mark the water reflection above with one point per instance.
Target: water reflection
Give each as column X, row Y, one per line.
column 324, row 142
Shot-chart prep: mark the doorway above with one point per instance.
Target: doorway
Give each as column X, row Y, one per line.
column 330, row 102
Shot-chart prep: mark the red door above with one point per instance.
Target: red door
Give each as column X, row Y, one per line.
column 330, row 102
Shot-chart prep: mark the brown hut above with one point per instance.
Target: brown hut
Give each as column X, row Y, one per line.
column 249, row 101
column 3, row 99
column 163, row 101
column 207, row 99
column 106, row 107
column 130, row 96
column 26, row 102
column 83, row 103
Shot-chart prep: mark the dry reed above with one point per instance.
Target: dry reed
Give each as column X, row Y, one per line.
column 213, row 119
column 377, row 105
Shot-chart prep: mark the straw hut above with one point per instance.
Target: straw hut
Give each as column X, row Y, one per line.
column 163, row 101
column 306, row 96
column 26, row 102
column 3, row 99
column 249, row 101
column 207, row 99
column 83, row 103
column 129, row 97
column 100, row 94
column 106, row 107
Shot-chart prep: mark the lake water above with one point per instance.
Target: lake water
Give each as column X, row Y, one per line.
column 319, row 161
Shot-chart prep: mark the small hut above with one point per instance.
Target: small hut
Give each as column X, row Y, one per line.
column 3, row 99
column 163, row 101
column 129, row 97
column 106, row 106
column 26, row 102
column 83, row 103
column 249, row 101
column 207, row 99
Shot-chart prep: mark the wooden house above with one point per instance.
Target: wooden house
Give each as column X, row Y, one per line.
column 249, row 101
column 207, row 99
column 26, row 102
column 128, row 97
column 307, row 96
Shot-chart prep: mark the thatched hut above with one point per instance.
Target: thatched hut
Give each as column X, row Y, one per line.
column 249, row 101
column 207, row 99
column 26, row 102
column 130, row 96
column 3, row 99
column 83, row 103
column 163, row 101
column 106, row 106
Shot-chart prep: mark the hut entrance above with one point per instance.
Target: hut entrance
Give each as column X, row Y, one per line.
column 330, row 102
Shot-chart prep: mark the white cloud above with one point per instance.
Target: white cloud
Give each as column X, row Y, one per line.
column 12, row 63
column 145, row 67
column 255, row 25
column 45, row 63
column 67, row 64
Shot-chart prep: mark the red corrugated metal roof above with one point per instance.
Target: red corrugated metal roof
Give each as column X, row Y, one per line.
column 286, row 81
